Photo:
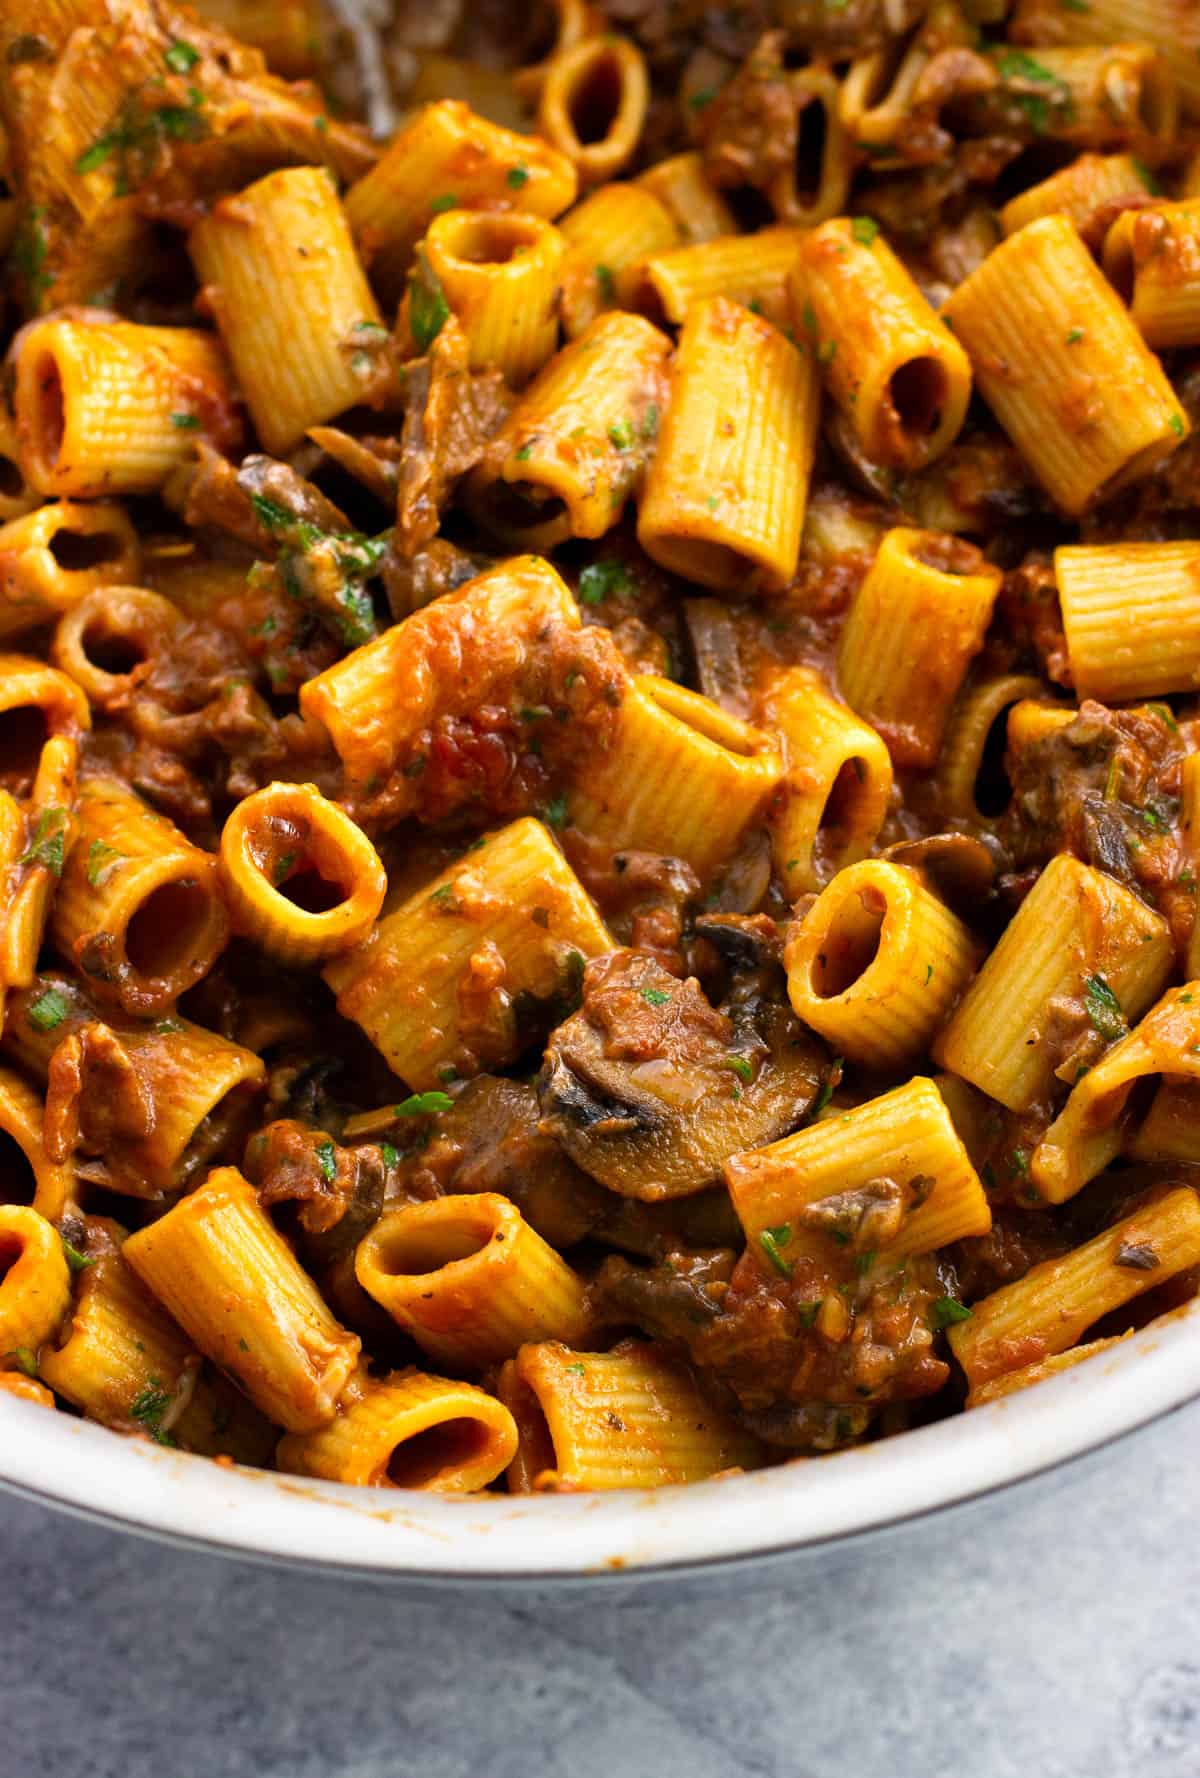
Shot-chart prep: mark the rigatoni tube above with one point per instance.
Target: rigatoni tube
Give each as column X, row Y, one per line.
column 1079, row 191
column 291, row 300
column 899, row 376
column 408, row 1430
column 139, row 909
column 1076, row 925
column 1152, row 257
column 29, row 1176
column 1171, row 28
column 699, row 210
column 1062, row 366
column 51, row 558
column 470, row 1280
column 905, row 1136
column 575, row 446
column 35, row 1282
column 1089, row 1131
column 726, row 490
column 916, row 621
column 219, row 1265
column 607, row 237
column 109, row 407
column 1131, row 615
column 447, row 151
column 510, row 911
column 877, row 963
column 501, row 277
column 302, row 880
column 630, row 1418
column 681, row 776
column 964, row 752
column 593, row 104
column 749, row 269
column 1047, row 1310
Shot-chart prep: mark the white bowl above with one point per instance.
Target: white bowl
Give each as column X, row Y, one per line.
column 429, row 1537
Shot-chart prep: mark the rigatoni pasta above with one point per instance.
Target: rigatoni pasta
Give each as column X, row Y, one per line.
column 599, row 865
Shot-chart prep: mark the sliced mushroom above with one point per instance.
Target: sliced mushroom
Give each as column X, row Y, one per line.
column 650, row 1089
column 957, row 867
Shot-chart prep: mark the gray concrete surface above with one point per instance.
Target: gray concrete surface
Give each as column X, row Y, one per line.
column 1052, row 1633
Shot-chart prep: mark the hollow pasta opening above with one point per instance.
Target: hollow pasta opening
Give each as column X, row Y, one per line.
column 918, row 394
column 491, row 240
column 712, row 564
column 112, row 652
column 23, row 734
column 18, row 1181
column 426, row 1246
column 993, row 786
column 837, row 817
column 812, row 136
column 522, row 506
column 452, row 1445
column 79, row 551
column 51, row 409
column 12, row 482
column 11, row 1249
column 596, row 100
column 850, row 945
column 168, row 928
column 307, row 889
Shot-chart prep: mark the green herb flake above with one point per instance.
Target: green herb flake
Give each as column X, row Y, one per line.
column 620, row 433
column 741, row 1067
column 149, row 1408
column 517, row 177
column 181, row 57
column 102, row 861
column 391, row 1155
column 1018, row 1161
column 607, row 283
column 94, row 157
column 1075, row 335
column 186, row 422
column 555, row 813
column 1176, row 425
column 284, row 867
column 48, row 841
column 78, row 1262
column 25, row 1360
column 428, row 310
column 424, row 1104
column 444, row 896
column 447, row 201
column 576, row 1370
column 826, row 1093
column 1146, row 176
column 270, row 514
column 1103, row 1008
column 704, row 97
column 864, row 230
column 1016, row 65
column 48, row 1010
column 655, row 996
column 946, row 1311
column 772, row 1242
column 649, row 426
column 601, row 580
column 327, row 1157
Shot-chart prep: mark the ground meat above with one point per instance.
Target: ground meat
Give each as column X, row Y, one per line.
column 339, row 1191
column 748, row 132
column 450, row 415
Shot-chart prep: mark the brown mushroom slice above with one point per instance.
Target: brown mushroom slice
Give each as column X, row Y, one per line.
column 650, row 1089
column 958, row 867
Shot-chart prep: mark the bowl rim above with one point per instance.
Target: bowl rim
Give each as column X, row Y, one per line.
column 260, row 1514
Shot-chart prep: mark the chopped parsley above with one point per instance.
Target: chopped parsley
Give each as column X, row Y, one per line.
column 48, row 1010
column 284, row 867
column 1103, row 1008
column 772, row 1242
column 1075, row 335
column 1176, row 425
column 186, row 422
column 424, row 1104
column 428, row 310
column 601, row 580
column 102, row 861
column 650, row 421
column 149, row 1408
column 741, row 1067
column 447, row 201
column 703, row 97
column 946, row 1311
column 25, row 1360
column 181, row 57
column 517, row 177
column 525, row 452
column 576, row 1370
column 621, row 434
column 327, row 1157
column 391, row 1155
column 555, row 813
column 1016, row 65
column 655, row 996
column 607, row 283
column 47, row 843
column 864, row 229
column 826, row 1093
column 78, row 1262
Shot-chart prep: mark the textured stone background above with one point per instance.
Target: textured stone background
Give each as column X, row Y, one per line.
column 1051, row 1633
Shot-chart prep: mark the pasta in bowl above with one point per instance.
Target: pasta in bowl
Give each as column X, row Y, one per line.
column 598, row 764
